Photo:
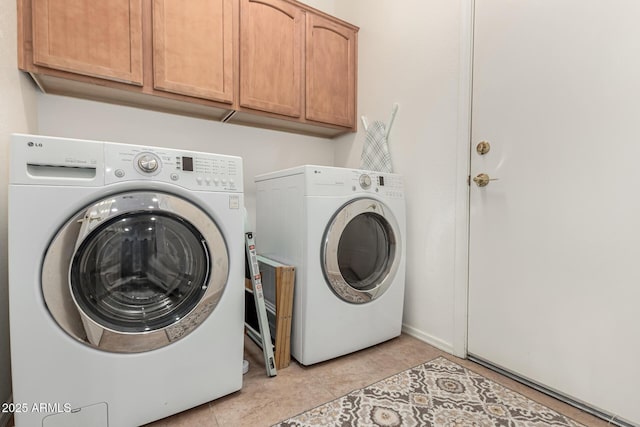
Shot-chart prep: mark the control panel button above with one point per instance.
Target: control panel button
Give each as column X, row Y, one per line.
column 148, row 163
column 365, row 181
column 174, row 177
column 119, row 173
column 199, row 180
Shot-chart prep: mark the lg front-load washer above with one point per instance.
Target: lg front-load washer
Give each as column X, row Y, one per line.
column 126, row 272
column 344, row 232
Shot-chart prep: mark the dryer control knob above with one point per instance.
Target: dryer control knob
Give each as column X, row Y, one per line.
column 365, row 181
column 148, row 163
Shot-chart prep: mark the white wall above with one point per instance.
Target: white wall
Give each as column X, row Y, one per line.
column 409, row 53
column 17, row 114
column 262, row 150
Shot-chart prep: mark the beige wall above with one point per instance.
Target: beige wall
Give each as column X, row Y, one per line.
column 261, row 150
column 409, row 53
column 24, row 109
column 17, row 114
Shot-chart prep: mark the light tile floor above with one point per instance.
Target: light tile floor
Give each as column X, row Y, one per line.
column 264, row 401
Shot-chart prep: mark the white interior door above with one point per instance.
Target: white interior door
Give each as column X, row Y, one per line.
column 554, row 287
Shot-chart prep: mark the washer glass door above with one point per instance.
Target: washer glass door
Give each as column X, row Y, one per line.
column 361, row 251
column 140, row 272
column 135, row 271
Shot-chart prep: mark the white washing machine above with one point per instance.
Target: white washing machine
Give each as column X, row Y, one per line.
column 126, row 281
column 344, row 231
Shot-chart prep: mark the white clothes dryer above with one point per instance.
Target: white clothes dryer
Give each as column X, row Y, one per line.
column 344, row 231
column 126, row 281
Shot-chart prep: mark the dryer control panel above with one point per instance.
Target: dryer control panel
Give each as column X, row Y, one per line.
column 188, row 169
column 330, row 181
column 385, row 184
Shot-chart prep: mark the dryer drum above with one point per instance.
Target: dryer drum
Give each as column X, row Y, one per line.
column 361, row 251
column 135, row 271
column 365, row 251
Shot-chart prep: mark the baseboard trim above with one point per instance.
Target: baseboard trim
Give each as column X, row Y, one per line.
column 429, row 339
column 5, row 417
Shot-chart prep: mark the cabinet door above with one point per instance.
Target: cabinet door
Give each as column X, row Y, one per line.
column 331, row 72
column 271, row 55
column 95, row 38
column 193, row 48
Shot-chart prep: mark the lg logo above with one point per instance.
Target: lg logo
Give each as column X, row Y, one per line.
column 34, row 144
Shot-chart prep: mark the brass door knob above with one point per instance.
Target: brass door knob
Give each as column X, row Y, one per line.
column 482, row 180
column 483, row 147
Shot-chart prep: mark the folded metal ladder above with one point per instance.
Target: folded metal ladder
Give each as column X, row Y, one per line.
column 262, row 337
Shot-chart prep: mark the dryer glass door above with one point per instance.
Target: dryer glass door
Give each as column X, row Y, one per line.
column 361, row 251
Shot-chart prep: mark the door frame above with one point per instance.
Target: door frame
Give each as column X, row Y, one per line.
column 463, row 167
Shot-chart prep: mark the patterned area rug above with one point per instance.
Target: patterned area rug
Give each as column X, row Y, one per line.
column 436, row 393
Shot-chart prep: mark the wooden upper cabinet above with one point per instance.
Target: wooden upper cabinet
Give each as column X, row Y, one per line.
column 193, row 48
column 271, row 56
column 278, row 64
column 330, row 72
column 95, row 38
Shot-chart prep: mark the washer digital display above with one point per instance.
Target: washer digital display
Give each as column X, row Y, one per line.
column 187, row 164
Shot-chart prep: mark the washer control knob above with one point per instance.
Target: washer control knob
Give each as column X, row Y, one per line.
column 148, row 163
column 365, row 181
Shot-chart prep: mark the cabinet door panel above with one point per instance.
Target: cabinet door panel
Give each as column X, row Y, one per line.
column 95, row 38
column 271, row 55
column 193, row 48
column 331, row 72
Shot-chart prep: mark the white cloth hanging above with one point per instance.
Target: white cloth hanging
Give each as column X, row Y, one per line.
column 375, row 153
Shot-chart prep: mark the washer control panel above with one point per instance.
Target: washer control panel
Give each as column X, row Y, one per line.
column 188, row 169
